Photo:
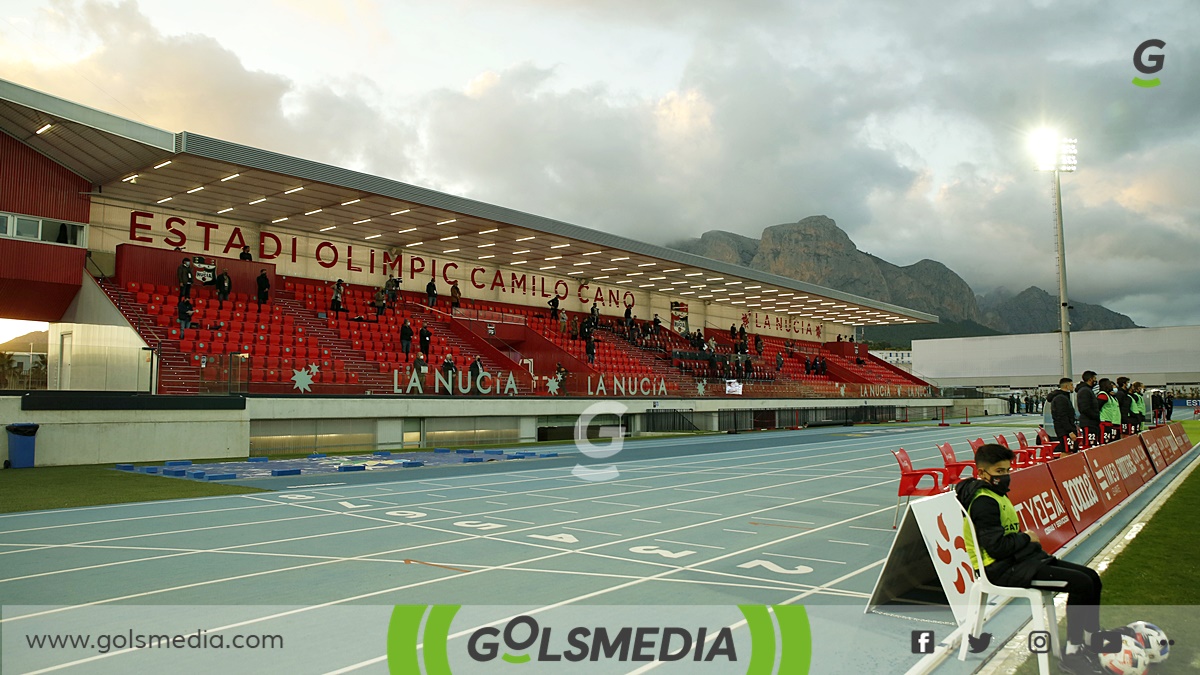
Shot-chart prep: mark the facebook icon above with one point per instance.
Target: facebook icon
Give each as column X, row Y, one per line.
column 923, row 641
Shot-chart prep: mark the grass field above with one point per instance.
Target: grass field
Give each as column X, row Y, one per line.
column 61, row 487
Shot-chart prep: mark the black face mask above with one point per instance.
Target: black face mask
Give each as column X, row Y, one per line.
column 1000, row 483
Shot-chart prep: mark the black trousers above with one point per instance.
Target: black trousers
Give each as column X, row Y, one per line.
column 1082, row 585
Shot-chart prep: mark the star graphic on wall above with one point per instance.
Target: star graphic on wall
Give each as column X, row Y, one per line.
column 303, row 379
column 552, row 385
column 700, row 388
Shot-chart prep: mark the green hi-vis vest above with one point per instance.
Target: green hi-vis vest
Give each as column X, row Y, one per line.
column 1008, row 518
column 1111, row 411
column 1137, row 406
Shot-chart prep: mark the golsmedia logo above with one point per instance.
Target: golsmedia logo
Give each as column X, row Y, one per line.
column 1148, row 64
column 420, row 634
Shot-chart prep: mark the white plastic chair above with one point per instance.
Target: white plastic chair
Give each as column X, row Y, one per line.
column 1041, row 603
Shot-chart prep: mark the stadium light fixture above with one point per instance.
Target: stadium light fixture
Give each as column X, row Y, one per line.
column 352, row 201
column 494, row 229
column 226, row 210
column 452, row 250
column 164, row 200
column 526, row 238
column 485, row 257
column 293, row 190
column 447, row 222
column 396, row 213
column 415, row 243
column 518, row 262
column 560, row 246
column 374, row 236
column 230, row 177
column 130, row 179
column 360, row 222
column 520, row 252
column 258, row 201
column 485, row 245
column 43, row 129
column 411, row 229
column 279, row 220
column 326, row 229
column 1057, row 154
column 310, row 213
column 162, row 164
column 195, row 190
column 673, row 269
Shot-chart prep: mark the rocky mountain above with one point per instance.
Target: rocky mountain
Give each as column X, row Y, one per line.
column 817, row 251
column 1033, row 310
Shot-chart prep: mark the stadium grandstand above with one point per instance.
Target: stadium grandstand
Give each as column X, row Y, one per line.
column 98, row 212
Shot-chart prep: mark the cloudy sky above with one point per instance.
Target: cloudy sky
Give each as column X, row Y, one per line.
column 906, row 122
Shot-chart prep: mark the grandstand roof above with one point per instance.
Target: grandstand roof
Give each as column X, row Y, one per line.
column 134, row 162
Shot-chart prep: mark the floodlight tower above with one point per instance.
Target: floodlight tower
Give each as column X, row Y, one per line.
column 1057, row 154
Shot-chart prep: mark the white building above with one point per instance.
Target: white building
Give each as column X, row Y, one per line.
column 1155, row 356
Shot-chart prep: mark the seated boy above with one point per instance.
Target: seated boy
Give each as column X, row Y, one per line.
column 1015, row 558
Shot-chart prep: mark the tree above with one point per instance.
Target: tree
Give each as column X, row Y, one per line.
column 10, row 370
column 38, row 373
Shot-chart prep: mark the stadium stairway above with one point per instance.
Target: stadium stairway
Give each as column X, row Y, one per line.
column 175, row 374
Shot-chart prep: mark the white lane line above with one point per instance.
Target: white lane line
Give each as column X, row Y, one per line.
column 785, row 520
column 830, row 501
column 684, row 543
column 430, row 508
column 643, row 520
column 487, row 490
column 631, row 506
column 565, row 511
column 711, row 492
column 538, row 494
column 851, row 543
column 580, row 529
column 740, row 531
column 875, row 529
column 512, row 520
column 497, row 503
column 769, row 497
column 433, row 495
column 797, row 557
column 702, row 513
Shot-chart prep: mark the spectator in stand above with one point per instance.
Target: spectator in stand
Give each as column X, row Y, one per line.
column 562, row 323
column 475, row 370
column 185, row 277
column 1063, row 414
column 560, row 373
column 380, row 303
column 426, row 338
column 184, row 310
column 595, row 313
column 758, row 344
column 450, row 372
column 406, row 336
column 1156, row 405
column 246, row 255
column 657, row 325
column 824, row 366
column 574, row 328
column 224, row 285
column 732, row 333
column 807, row 366
column 455, row 295
column 1137, row 406
column 1169, row 404
column 712, row 364
column 591, row 349
column 1110, row 410
column 1125, row 402
column 420, row 365
column 628, row 317
column 839, row 337
column 431, row 292
column 1089, row 409
column 264, row 287
column 392, row 286
column 741, row 333
column 553, row 305
column 335, row 301
column 712, row 345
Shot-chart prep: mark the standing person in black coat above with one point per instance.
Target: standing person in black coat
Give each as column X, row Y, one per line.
column 553, row 304
column 476, row 370
column 1124, row 401
column 264, row 287
column 224, row 285
column 406, row 336
column 1063, row 414
column 245, row 254
column 732, row 333
column 431, row 291
column 184, row 310
column 1169, row 404
column 1089, row 408
column 591, row 349
column 184, row 275
column 426, row 338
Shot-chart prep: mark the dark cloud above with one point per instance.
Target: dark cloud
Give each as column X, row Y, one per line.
column 905, row 122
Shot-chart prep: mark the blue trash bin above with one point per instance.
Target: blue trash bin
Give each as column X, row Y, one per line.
column 21, row 444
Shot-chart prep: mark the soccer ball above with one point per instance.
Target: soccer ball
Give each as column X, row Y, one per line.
column 1152, row 639
column 1130, row 660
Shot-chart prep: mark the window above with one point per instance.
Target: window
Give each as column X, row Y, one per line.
column 3, row 224
column 28, row 228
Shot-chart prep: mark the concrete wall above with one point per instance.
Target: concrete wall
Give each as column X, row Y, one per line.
column 105, row 353
column 104, row 436
column 1156, row 356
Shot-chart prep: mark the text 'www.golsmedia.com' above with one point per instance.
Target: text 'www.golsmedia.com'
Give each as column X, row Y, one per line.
column 107, row 642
